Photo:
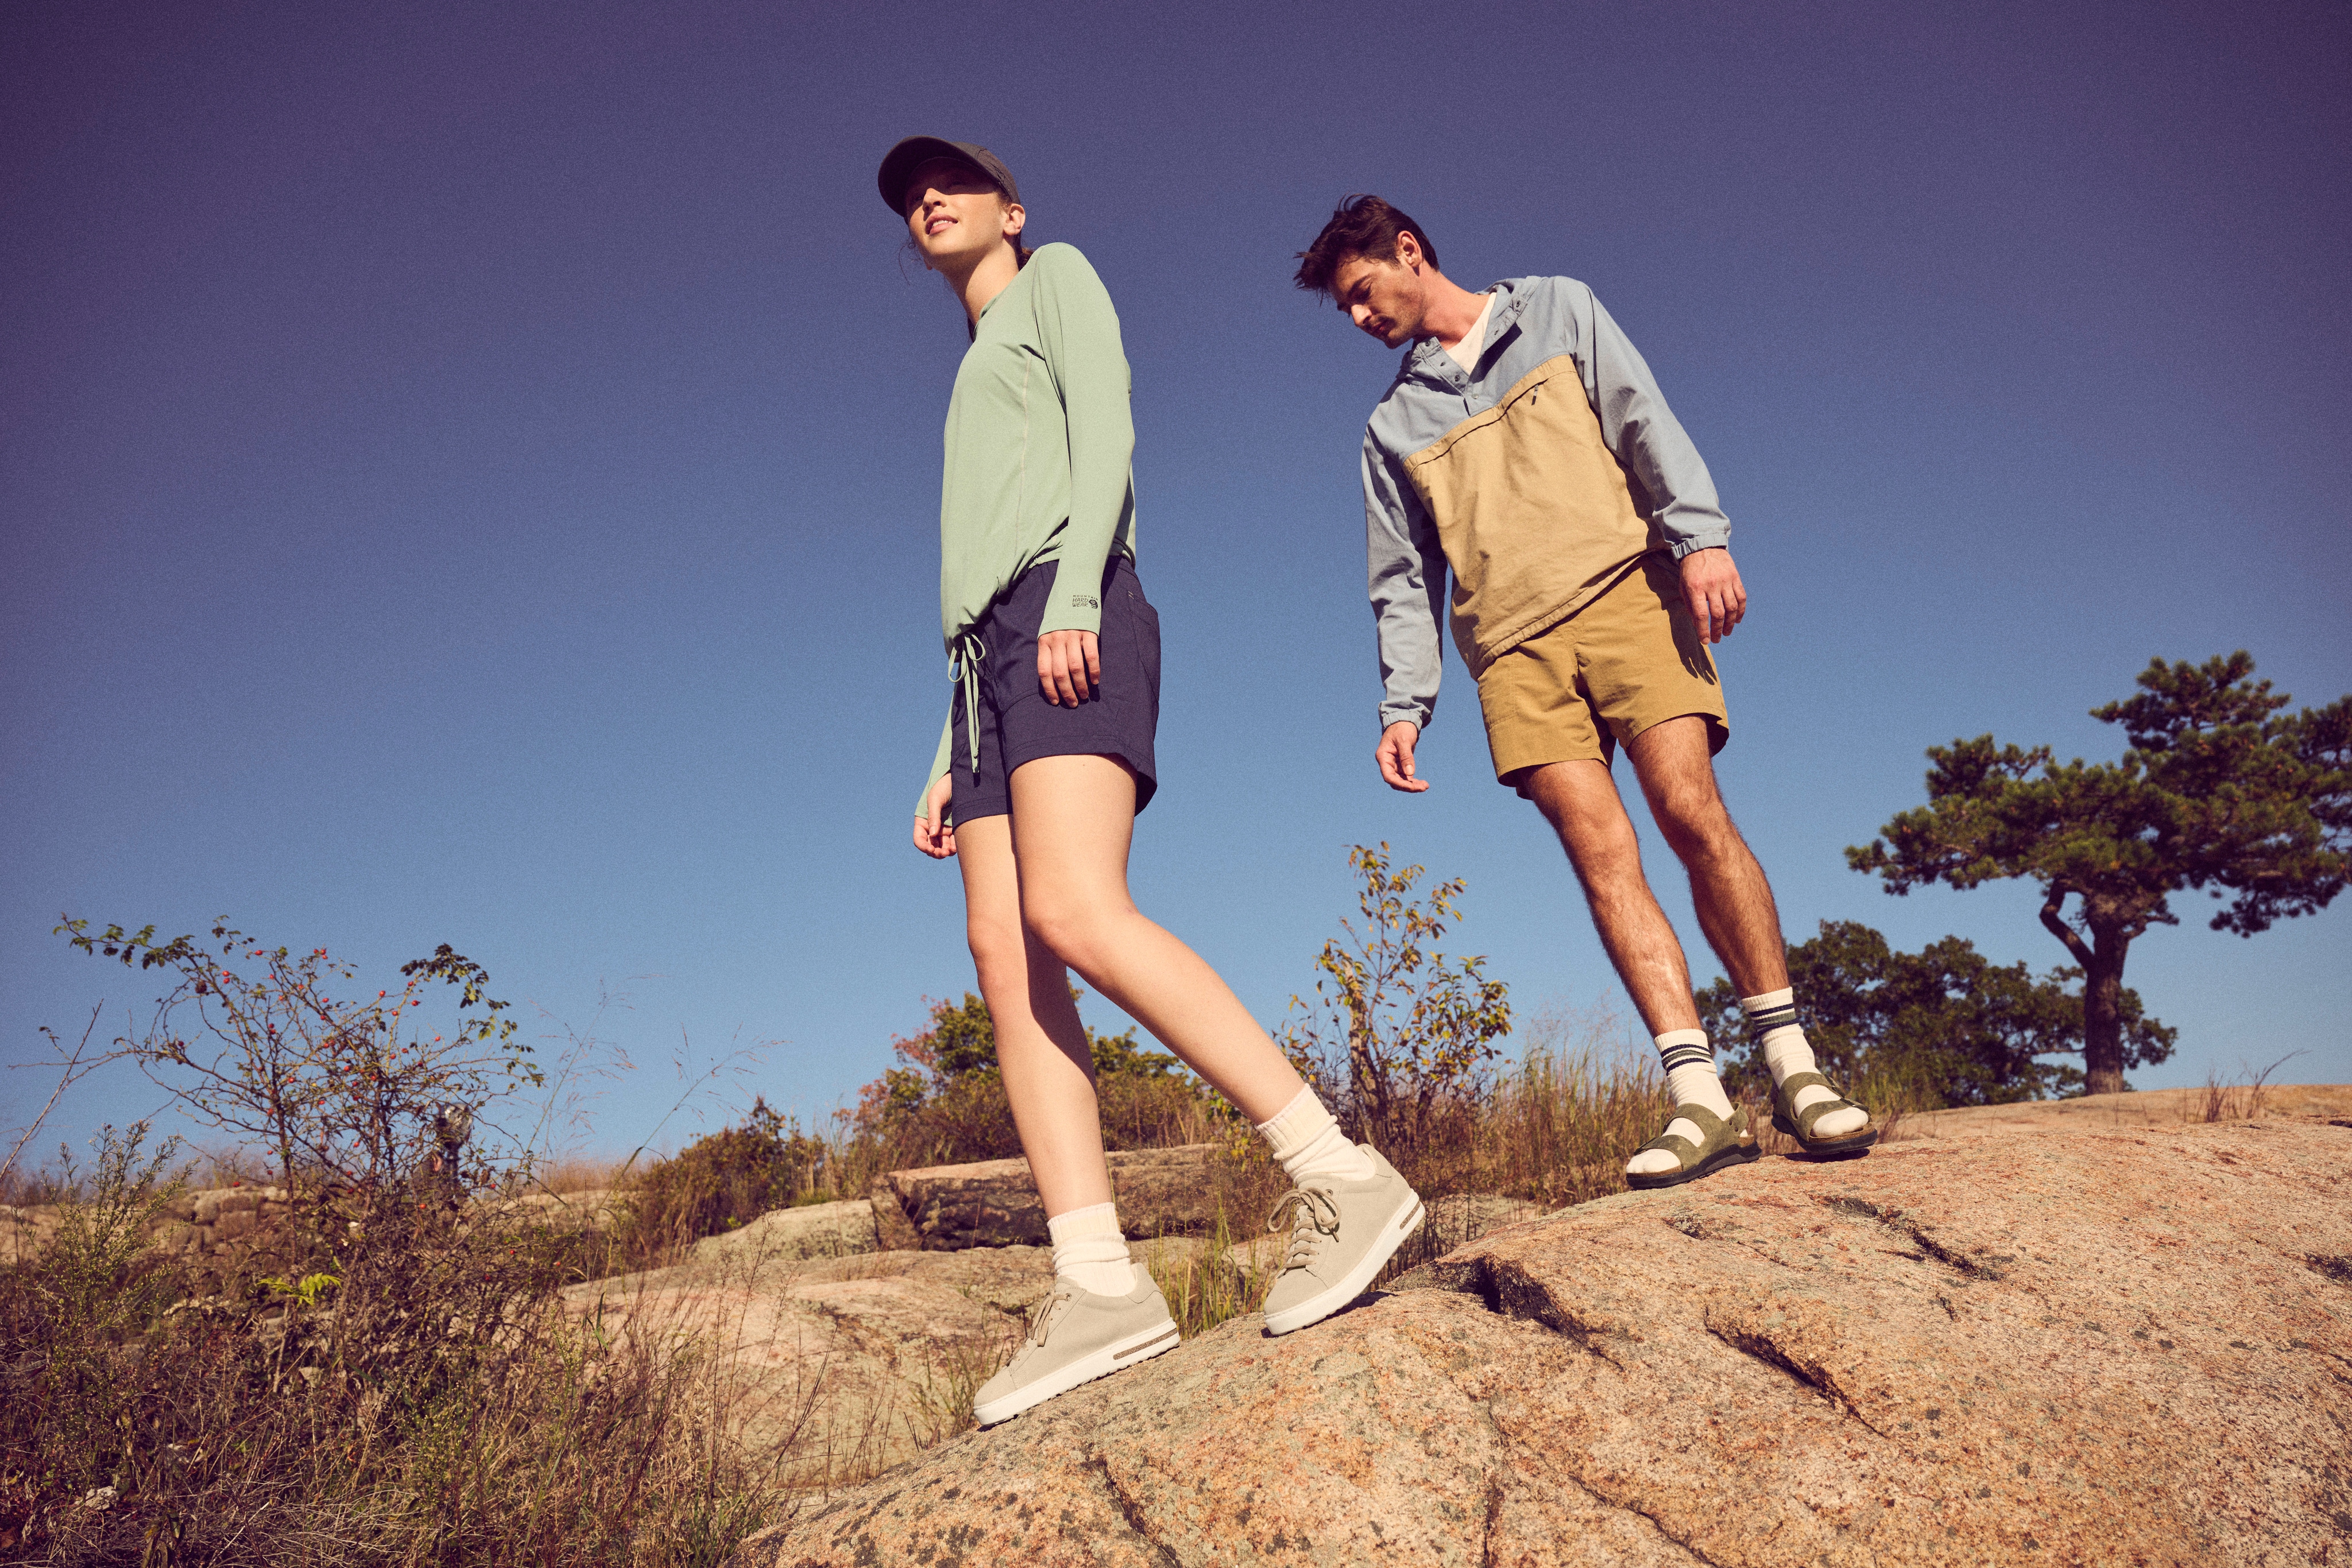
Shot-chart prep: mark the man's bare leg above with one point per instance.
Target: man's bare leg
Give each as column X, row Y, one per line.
column 1733, row 902
column 1728, row 886
column 1579, row 799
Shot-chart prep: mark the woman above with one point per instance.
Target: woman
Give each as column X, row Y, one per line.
column 1044, row 761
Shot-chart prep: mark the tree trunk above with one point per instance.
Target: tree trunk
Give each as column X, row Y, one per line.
column 2101, row 958
column 2103, row 1026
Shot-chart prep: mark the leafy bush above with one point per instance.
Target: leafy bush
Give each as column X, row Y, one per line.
column 1944, row 1026
column 411, row 1387
column 1399, row 1039
column 344, row 1091
column 719, row 1182
column 417, row 1393
column 945, row 1103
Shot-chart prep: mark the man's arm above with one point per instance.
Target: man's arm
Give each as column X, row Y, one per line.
column 1650, row 442
column 1405, row 572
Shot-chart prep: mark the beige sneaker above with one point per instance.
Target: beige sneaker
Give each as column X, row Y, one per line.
column 1341, row 1234
column 1075, row 1337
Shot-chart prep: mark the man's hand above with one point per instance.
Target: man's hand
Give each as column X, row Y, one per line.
column 934, row 834
column 1711, row 586
column 1395, row 757
column 1069, row 666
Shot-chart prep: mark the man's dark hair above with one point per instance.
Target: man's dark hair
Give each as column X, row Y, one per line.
column 1362, row 226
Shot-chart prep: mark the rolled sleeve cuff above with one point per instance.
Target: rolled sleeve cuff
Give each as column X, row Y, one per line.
column 1707, row 538
column 1416, row 715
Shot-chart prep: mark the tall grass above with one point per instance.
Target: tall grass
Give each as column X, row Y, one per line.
column 415, row 1395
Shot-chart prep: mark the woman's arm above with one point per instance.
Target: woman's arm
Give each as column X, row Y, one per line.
column 934, row 832
column 1078, row 329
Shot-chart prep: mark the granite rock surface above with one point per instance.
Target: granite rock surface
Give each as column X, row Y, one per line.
column 994, row 1203
column 2100, row 1347
column 812, row 1231
column 854, row 1363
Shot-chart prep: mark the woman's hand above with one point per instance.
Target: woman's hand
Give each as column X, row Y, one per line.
column 1069, row 666
column 934, row 834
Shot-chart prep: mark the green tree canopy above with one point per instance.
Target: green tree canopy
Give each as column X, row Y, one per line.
column 960, row 1047
column 2221, row 791
column 1950, row 1019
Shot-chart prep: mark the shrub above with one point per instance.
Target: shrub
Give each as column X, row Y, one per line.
column 719, row 1182
column 420, row 1395
column 1944, row 1026
column 345, row 1090
column 1398, row 1038
column 945, row 1103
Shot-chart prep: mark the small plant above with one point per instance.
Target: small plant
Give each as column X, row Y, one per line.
column 719, row 1182
column 343, row 1091
column 1397, row 1032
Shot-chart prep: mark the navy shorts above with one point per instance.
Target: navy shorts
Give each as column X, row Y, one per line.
column 1017, row 724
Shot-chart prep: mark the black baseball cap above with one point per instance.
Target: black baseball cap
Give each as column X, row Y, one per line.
column 898, row 166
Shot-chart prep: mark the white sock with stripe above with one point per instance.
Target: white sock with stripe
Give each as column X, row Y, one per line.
column 1090, row 1251
column 1691, row 1080
column 1306, row 1142
column 1772, row 1025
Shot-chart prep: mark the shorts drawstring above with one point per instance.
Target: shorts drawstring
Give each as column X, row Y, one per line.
column 963, row 667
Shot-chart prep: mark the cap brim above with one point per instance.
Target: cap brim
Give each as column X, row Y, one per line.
column 898, row 166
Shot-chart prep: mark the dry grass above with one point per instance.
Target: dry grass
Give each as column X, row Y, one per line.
column 579, row 1173
column 418, row 1396
column 2244, row 1102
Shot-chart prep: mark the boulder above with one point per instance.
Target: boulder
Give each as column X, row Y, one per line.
column 849, row 1364
column 2138, row 1108
column 813, row 1230
column 994, row 1203
column 2095, row 1348
column 1454, row 1221
column 891, row 1227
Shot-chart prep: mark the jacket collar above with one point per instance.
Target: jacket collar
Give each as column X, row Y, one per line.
column 1508, row 303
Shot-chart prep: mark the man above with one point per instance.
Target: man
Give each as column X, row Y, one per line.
column 1525, row 447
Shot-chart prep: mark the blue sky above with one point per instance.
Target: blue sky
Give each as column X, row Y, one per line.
column 472, row 477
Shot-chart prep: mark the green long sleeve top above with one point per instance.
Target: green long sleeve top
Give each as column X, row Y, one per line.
column 1039, row 460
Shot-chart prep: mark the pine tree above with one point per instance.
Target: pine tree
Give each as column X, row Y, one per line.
column 2221, row 791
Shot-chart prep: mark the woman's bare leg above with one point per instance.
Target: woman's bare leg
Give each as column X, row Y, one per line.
column 1041, row 1047
column 1072, row 820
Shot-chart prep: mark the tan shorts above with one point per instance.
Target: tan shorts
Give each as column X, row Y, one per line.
column 1578, row 689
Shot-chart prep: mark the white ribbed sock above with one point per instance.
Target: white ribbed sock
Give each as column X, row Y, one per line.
column 1089, row 1252
column 1691, row 1080
column 1307, row 1142
column 1772, row 1025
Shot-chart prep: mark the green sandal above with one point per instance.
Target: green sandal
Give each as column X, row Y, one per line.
column 1726, row 1143
column 1799, row 1125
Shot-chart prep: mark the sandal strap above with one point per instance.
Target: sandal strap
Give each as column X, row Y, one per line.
column 1714, row 1131
column 1786, row 1093
column 1710, row 1126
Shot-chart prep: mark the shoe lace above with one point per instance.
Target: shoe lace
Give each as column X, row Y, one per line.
column 1049, row 1312
column 1312, row 1215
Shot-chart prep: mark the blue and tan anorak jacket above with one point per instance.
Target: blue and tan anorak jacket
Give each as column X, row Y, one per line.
column 1537, row 481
